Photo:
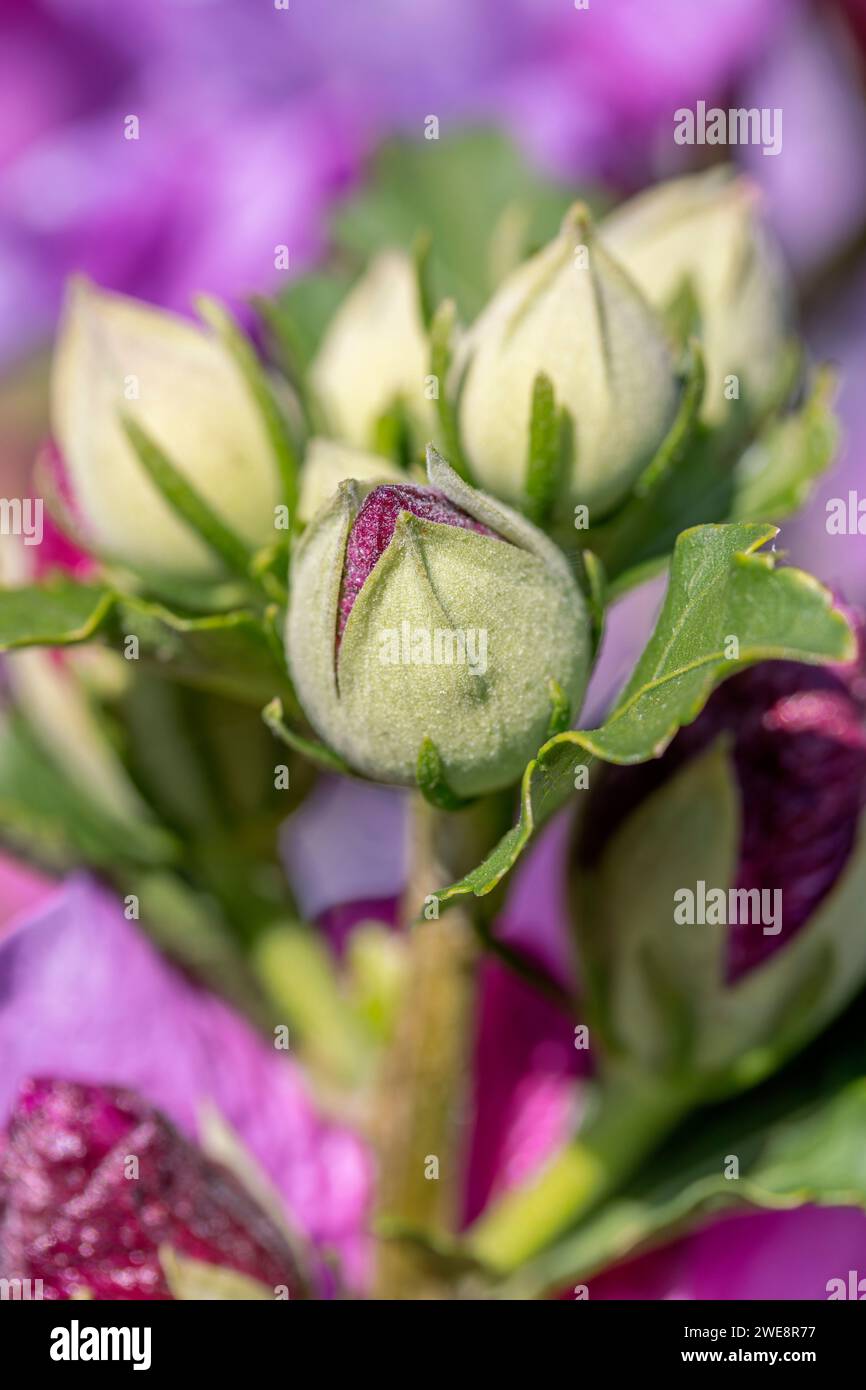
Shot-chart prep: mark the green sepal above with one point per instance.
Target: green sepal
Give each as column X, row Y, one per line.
column 318, row 753
column 276, row 427
column 432, row 784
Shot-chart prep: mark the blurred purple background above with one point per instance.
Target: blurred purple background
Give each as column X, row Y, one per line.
column 254, row 119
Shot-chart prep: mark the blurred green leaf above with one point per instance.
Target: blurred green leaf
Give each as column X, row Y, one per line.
column 53, row 614
column 798, row 1139
column 460, row 191
column 45, row 814
column 719, row 587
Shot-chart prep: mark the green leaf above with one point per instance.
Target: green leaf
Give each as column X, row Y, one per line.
column 299, row 317
column 182, row 497
column 459, row 190
column 46, row 814
column 776, row 475
column 230, row 653
column 719, row 588
column 317, row 753
column 798, row 1139
column 430, row 776
column 54, row 614
column 273, row 419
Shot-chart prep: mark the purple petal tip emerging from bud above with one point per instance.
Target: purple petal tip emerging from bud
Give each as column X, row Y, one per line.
column 374, row 526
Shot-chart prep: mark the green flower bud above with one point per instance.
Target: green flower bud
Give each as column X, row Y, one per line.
column 328, row 463
column 572, row 313
column 116, row 356
column 433, row 613
column 703, row 235
column 374, row 355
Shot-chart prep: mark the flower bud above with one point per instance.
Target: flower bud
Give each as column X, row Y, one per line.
column 328, row 463
column 572, row 313
column 116, row 356
column 747, row 838
column 75, row 1214
column 374, row 355
column 704, row 233
column 433, row 613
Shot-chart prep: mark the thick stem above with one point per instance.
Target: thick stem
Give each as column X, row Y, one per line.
column 631, row 1117
column 420, row 1120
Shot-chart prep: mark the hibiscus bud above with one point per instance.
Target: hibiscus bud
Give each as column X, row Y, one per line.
column 703, row 236
column 328, row 463
column 116, row 357
column 95, row 1184
column 573, row 314
column 375, row 355
column 747, row 840
column 433, row 613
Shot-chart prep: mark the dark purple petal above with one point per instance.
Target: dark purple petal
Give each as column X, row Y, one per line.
column 72, row 1216
column 798, row 744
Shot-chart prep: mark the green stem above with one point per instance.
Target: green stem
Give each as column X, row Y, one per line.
column 631, row 1116
column 420, row 1114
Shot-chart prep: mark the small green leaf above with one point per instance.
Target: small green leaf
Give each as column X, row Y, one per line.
column 594, row 587
column 441, row 335
column 430, row 776
column 273, row 419
column 183, row 498
column 560, row 709
column 719, row 588
column 544, row 454
column 54, row 614
column 683, row 315
column 317, row 753
column 422, row 245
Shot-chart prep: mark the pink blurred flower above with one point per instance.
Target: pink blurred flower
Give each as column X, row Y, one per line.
column 84, row 997
column 73, row 1217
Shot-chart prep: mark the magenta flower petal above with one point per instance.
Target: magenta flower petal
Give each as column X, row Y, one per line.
column 84, row 996
column 756, row 1255
column 526, row 1092
column 74, row 1214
